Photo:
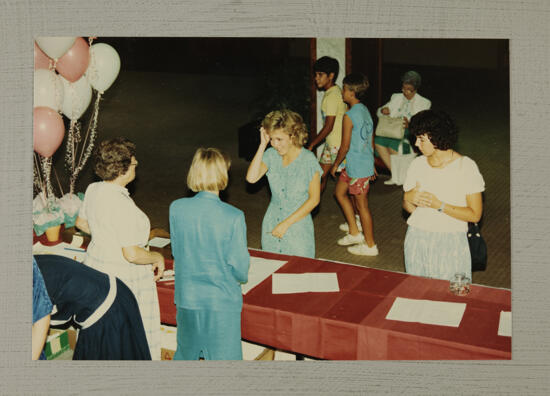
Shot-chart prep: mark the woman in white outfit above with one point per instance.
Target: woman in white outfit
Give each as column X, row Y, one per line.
column 405, row 104
column 120, row 233
column 443, row 193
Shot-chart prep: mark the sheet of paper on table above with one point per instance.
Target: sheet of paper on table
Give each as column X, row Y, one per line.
column 304, row 283
column 440, row 313
column 505, row 324
column 61, row 249
column 77, row 241
column 259, row 270
column 159, row 242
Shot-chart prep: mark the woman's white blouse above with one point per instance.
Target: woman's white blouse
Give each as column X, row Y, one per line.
column 450, row 184
column 115, row 222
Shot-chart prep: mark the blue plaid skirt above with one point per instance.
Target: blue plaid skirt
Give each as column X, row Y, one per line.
column 437, row 254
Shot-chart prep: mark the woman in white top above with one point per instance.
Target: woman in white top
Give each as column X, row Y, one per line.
column 405, row 105
column 442, row 193
column 120, row 233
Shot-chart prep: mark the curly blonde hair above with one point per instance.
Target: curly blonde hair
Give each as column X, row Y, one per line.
column 290, row 122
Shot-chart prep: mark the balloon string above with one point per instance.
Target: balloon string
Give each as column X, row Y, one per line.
column 58, row 182
column 47, row 167
column 91, row 133
column 38, row 173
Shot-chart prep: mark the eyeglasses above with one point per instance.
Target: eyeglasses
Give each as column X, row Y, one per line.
column 133, row 163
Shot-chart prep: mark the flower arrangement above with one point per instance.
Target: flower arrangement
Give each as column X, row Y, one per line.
column 68, row 70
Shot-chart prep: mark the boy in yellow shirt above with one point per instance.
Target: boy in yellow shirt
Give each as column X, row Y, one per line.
column 333, row 109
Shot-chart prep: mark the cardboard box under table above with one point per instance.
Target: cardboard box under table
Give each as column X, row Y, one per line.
column 351, row 324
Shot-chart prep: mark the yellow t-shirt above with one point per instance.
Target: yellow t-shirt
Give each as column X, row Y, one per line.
column 333, row 105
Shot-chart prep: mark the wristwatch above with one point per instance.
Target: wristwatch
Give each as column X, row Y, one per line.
column 441, row 207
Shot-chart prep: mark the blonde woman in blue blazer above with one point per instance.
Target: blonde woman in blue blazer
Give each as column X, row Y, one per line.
column 211, row 260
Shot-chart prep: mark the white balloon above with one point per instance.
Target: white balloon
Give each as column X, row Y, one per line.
column 76, row 97
column 48, row 89
column 55, row 47
column 104, row 66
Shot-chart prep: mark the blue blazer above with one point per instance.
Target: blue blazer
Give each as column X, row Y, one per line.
column 211, row 257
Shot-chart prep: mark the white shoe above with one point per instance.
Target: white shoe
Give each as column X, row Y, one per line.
column 345, row 227
column 362, row 249
column 351, row 239
column 389, row 182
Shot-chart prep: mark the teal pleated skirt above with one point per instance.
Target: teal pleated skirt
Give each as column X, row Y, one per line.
column 394, row 143
column 437, row 254
column 211, row 335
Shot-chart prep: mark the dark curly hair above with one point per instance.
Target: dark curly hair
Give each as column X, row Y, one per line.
column 113, row 157
column 437, row 125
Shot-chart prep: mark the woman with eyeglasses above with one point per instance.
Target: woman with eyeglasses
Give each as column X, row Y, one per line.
column 120, row 232
column 404, row 104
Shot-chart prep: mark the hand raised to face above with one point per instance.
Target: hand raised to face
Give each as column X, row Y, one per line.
column 264, row 137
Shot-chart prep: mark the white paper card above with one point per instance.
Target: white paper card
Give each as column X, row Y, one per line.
column 159, row 242
column 259, row 270
column 304, row 283
column 440, row 313
column 505, row 324
column 77, row 241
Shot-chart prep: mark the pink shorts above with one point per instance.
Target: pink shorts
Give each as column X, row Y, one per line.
column 356, row 186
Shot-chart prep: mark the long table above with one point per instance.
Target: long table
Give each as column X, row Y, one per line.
column 351, row 325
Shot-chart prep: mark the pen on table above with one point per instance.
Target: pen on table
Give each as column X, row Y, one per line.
column 75, row 250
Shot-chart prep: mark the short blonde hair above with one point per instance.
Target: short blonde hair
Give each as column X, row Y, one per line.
column 209, row 170
column 290, row 122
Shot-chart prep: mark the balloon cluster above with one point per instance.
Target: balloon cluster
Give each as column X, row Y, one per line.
column 66, row 69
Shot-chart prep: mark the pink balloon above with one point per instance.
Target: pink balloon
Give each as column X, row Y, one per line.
column 41, row 60
column 74, row 63
column 48, row 131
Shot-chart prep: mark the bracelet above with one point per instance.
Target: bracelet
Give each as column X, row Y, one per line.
column 441, row 207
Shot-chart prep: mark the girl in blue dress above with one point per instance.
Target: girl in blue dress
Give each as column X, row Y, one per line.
column 294, row 179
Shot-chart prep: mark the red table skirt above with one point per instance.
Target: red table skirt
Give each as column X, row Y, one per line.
column 351, row 324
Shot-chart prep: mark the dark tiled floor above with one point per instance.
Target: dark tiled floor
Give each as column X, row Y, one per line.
column 170, row 115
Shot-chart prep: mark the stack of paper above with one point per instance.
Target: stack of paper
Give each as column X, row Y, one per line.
column 440, row 313
column 159, row 242
column 306, row 282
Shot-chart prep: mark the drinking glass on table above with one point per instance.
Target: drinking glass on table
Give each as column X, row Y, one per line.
column 460, row 284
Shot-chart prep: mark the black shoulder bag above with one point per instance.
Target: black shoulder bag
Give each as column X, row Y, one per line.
column 478, row 248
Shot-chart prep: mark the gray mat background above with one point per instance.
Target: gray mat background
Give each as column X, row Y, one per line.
column 525, row 23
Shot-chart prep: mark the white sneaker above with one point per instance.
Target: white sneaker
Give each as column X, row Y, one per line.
column 345, row 227
column 362, row 249
column 351, row 239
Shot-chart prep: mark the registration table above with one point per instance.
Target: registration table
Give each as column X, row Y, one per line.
column 351, row 324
